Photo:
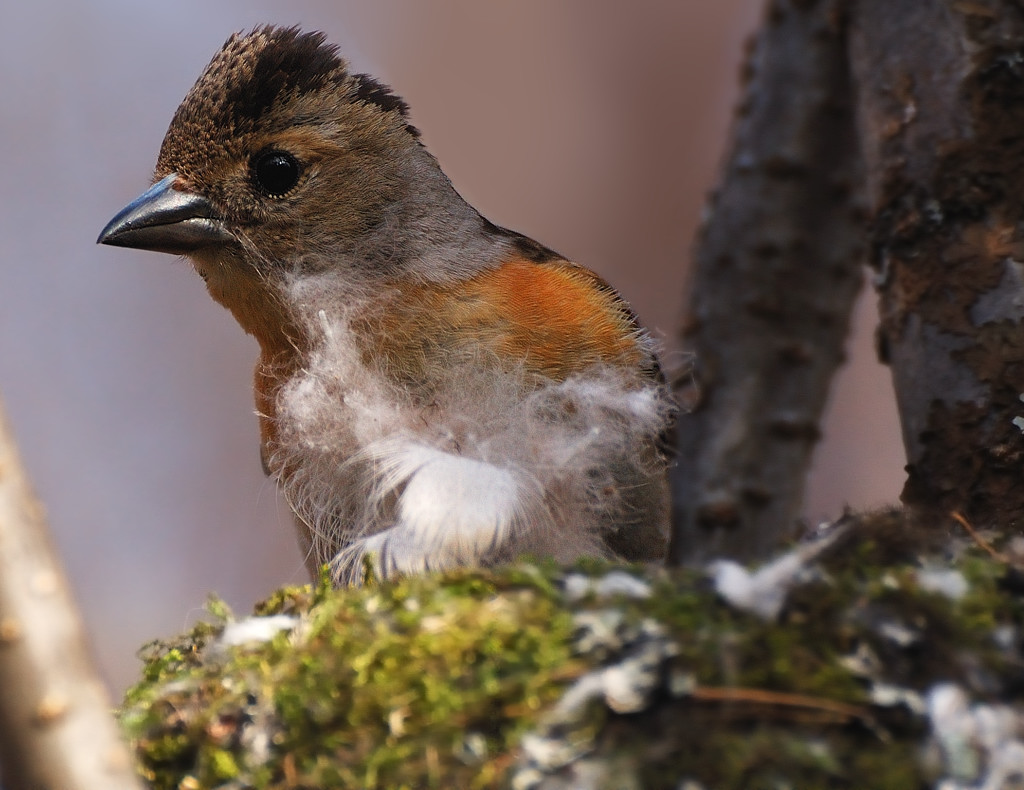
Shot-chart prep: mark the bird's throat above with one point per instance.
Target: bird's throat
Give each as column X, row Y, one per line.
column 260, row 310
column 254, row 301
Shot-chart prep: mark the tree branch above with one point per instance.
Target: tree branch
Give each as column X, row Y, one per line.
column 941, row 112
column 56, row 730
column 777, row 272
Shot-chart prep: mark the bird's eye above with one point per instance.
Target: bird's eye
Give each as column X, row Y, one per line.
column 275, row 173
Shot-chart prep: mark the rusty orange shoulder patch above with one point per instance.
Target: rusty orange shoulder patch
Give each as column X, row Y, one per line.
column 556, row 318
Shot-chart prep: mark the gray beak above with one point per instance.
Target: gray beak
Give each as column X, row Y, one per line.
column 164, row 219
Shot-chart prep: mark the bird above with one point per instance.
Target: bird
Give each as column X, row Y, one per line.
column 433, row 391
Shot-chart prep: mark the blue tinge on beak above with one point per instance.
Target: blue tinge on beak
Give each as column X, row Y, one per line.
column 165, row 219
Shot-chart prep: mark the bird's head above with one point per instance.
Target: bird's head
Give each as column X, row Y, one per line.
column 279, row 159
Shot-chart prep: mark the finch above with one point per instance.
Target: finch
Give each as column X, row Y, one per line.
column 433, row 390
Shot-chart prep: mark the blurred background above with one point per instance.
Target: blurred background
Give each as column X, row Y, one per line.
column 595, row 126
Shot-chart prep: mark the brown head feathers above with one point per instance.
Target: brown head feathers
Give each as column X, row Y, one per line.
column 255, row 71
column 262, row 78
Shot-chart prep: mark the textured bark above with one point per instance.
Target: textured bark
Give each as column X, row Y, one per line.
column 56, row 731
column 777, row 272
column 941, row 111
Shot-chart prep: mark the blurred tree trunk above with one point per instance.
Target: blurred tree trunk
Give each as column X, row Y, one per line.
column 937, row 144
column 777, row 272
column 941, row 114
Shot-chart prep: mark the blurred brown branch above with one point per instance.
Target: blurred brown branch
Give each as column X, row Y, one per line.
column 56, row 729
column 777, row 272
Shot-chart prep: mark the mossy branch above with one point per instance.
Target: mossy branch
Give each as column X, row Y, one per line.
column 536, row 677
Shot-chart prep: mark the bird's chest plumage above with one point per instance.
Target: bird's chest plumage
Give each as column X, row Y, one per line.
column 518, row 365
column 404, row 359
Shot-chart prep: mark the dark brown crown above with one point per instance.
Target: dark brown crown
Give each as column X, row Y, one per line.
column 258, row 75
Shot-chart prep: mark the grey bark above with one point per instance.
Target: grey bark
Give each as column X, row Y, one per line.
column 777, row 272
column 940, row 94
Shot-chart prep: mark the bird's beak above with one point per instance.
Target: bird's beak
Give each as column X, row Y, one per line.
column 165, row 219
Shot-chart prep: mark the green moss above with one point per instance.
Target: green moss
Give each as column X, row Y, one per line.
column 433, row 682
column 399, row 681
column 222, row 765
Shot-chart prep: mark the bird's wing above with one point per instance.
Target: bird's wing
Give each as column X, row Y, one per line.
column 555, row 318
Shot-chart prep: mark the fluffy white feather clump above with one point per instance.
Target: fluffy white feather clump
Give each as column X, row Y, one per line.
column 494, row 464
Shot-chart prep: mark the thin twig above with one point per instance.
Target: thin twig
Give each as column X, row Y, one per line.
column 984, row 544
column 782, row 700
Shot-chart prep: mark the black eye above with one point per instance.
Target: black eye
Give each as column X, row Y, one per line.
column 275, row 173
